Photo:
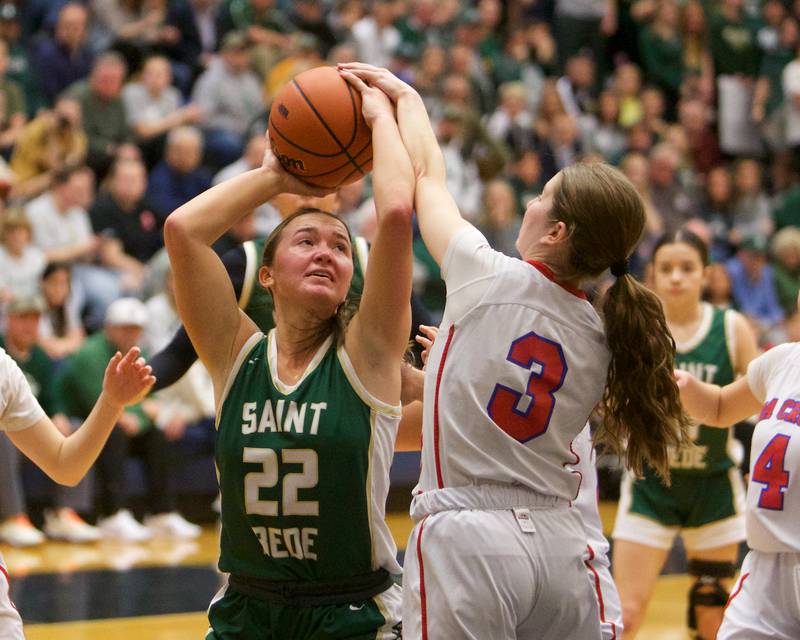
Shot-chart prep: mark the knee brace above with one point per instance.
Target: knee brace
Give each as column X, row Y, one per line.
column 707, row 590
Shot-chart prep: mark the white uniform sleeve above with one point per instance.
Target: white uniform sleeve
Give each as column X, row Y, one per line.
column 762, row 367
column 468, row 267
column 19, row 409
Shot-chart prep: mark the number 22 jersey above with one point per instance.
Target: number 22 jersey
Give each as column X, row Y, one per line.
column 518, row 365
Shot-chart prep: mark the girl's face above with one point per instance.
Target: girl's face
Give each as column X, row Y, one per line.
column 313, row 261
column 678, row 274
column 56, row 287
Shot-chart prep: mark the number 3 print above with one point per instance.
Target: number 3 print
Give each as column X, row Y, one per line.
column 545, row 360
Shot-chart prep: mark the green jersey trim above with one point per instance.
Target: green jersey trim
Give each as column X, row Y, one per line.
column 366, row 397
column 251, row 266
column 272, row 354
column 247, row 347
column 701, row 333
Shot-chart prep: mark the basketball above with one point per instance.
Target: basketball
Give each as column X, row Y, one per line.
column 317, row 130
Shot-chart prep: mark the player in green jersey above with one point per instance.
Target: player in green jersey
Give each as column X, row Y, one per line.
column 704, row 501
column 306, row 416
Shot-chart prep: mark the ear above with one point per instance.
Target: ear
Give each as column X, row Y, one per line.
column 265, row 278
column 557, row 234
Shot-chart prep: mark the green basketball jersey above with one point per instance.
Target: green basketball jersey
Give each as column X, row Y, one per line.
column 256, row 301
column 709, row 357
column 303, row 469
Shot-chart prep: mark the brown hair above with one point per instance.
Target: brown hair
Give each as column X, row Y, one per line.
column 336, row 325
column 641, row 409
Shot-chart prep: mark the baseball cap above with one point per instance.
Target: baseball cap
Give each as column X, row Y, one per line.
column 126, row 312
column 234, row 41
column 8, row 11
column 26, row 304
column 754, row 243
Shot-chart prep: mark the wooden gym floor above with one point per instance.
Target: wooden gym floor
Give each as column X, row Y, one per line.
column 160, row 590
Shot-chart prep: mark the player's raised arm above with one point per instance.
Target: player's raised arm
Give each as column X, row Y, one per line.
column 203, row 290
column 67, row 459
column 437, row 213
column 378, row 334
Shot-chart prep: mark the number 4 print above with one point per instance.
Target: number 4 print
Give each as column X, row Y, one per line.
column 769, row 470
column 545, row 360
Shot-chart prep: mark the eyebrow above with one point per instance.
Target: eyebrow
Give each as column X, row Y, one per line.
column 315, row 230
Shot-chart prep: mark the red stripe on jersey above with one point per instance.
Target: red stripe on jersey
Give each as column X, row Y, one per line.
column 436, row 457
column 4, row 571
column 599, row 591
column 547, row 272
column 422, row 599
column 738, row 589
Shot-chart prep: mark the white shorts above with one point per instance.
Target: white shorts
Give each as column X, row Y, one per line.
column 10, row 622
column 765, row 601
column 475, row 572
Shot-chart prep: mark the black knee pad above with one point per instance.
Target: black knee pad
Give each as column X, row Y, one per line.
column 707, row 590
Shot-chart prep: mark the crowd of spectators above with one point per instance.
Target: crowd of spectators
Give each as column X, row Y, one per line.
column 115, row 112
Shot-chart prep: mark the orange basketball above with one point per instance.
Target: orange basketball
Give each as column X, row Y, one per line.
column 317, row 130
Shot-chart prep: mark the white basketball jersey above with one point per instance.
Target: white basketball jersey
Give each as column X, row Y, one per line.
column 519, row 364
column 773, row 495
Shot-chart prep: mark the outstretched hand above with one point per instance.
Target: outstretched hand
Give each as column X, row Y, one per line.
column 383, row 79
column 374, row 102
column 128, row 378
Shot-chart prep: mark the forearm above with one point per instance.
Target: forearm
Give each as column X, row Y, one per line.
column 419, row 138
column 213, row 212
column 79, row 450
column 702, row 401
column 392, row 174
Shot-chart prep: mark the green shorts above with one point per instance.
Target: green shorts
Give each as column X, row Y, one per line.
column 708, row 511
column 235, row 616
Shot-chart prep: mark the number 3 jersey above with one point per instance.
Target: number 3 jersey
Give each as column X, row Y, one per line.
column 773, row 494
column 518, row 365
column 303, row 469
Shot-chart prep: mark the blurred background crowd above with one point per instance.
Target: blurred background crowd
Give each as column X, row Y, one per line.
column 115, row 112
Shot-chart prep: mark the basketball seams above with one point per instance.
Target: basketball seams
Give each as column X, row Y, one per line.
column 366, row 147
column 273, row 127
column 327, row 127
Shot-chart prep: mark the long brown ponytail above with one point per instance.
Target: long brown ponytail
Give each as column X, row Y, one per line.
column 641, row 409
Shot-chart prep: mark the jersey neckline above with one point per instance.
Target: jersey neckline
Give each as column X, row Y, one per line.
column 547, row 272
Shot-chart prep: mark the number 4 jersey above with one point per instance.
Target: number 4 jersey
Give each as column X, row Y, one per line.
column 773, row 495
column 303, row 469
column 519, row 364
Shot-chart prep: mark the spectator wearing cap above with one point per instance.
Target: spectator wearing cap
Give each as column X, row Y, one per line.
column 21, row 262
column 48, row 144
column 753, row 283
column 179, row 177
column 229, row 95
column 21, row 343
column 80, row 384
column 104, row 118
column 66, row 57
column 375, row 35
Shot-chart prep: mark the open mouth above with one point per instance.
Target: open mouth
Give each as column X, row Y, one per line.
column 321, row 274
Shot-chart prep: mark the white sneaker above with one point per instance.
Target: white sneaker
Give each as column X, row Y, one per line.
column 65, row 524
column 173, row 525
column 123, row 526
column 19, row 532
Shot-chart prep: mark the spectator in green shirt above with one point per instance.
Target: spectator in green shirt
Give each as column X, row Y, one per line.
column 79, row 385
